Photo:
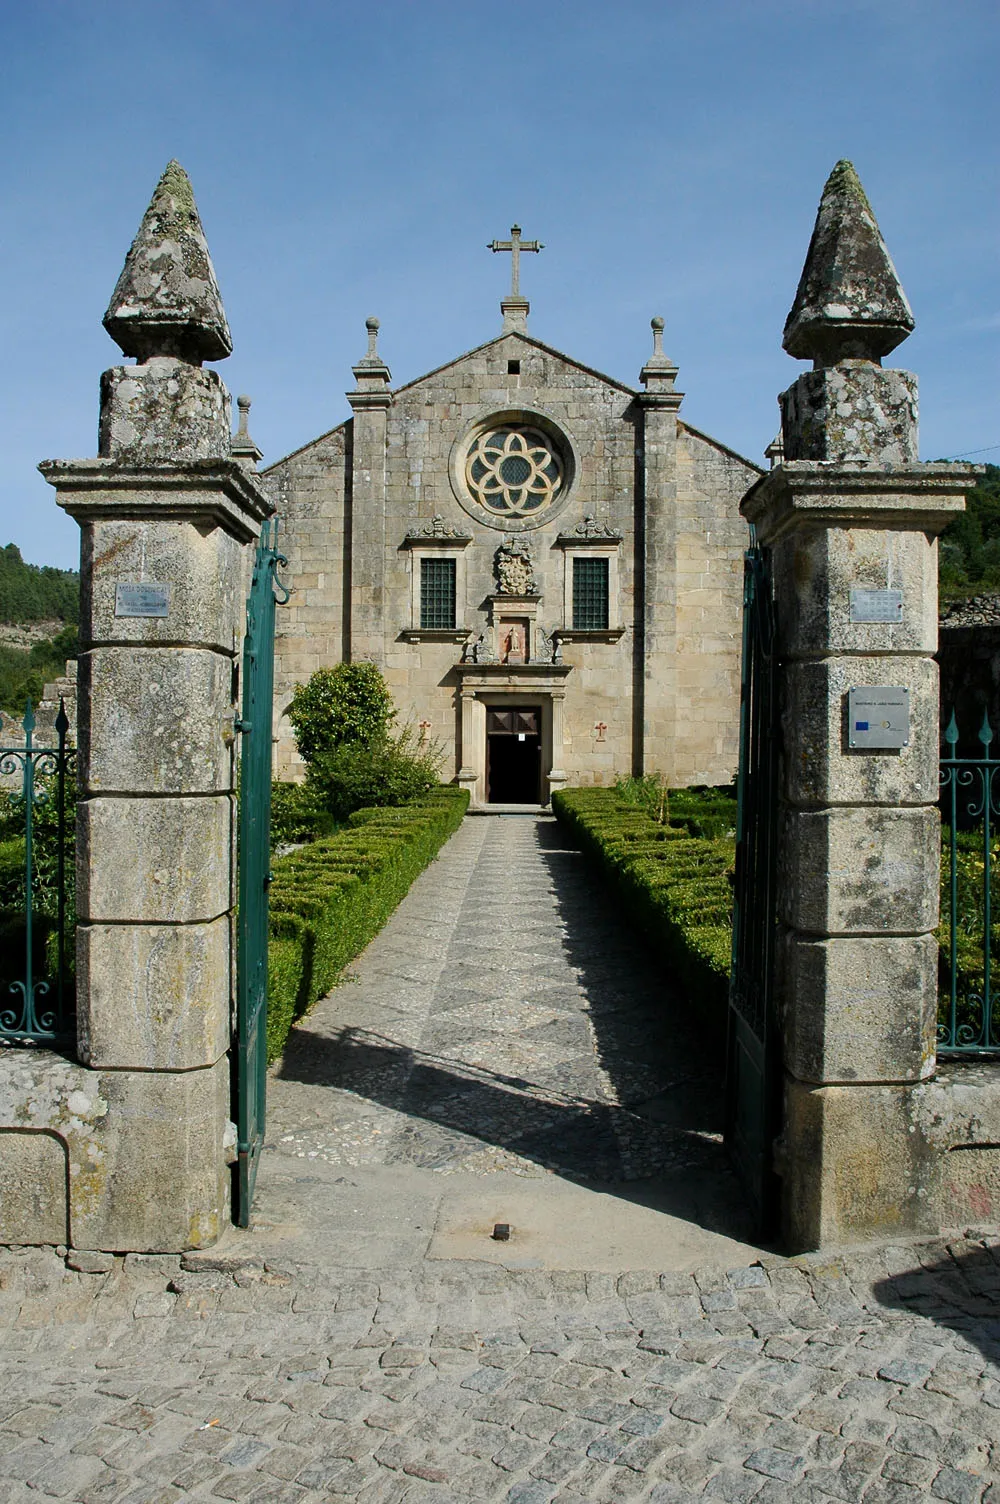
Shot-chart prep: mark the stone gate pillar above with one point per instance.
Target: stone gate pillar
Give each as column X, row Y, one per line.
column 851, row 519
column 166, row 514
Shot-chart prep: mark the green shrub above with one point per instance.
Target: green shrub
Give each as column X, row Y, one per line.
column 342, row 719
column 329, row 899
column 673, row 880
column 348, row 705
column 298, row 814
column 352, row 777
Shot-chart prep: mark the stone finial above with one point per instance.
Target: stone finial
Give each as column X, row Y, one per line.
column 371, row 373
column 243, row 447
column 167, row 301
column 849, row 304
column 372, row 358
column 659, row 373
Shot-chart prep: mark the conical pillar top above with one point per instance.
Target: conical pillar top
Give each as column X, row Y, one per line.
column 849, row 303
column 167, row 301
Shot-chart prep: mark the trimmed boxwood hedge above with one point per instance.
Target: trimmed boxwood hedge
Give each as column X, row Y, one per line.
column 675, row 885
column 330, row 898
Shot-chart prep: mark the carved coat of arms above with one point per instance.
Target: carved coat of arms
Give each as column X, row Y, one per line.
column 514, row 568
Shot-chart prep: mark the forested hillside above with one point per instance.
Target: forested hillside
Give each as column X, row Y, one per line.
column 32, row 593
column 970, row 546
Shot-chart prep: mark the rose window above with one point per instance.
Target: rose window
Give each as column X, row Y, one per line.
column 513, row 471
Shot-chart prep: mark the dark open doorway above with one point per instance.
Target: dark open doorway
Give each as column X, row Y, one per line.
column 514, row 755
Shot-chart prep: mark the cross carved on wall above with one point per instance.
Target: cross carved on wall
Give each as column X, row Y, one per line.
column 515, row 245
column 600, row 728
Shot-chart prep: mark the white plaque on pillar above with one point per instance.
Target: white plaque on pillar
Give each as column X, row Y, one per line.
column 878, row 717
column 143, row 599
column 876, row 605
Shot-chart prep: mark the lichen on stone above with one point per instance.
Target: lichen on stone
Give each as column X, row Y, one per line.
column 167, row 300
column 849, row 304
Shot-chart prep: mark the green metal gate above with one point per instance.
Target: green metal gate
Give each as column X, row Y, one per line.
column 753, row 1059
column 253, row 847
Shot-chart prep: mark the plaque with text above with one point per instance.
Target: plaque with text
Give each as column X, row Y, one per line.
column 876, row 605
column 142, row 600
column 878, row 717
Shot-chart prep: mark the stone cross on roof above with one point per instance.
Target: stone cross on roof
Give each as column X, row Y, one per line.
column 515, row 245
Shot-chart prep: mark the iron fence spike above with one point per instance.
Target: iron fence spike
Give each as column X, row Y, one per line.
column 986, row 730
column 951, row 730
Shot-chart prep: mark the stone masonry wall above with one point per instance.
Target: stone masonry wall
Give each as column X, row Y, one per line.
column 308, row 488
column 327, row 546
column 711, row 540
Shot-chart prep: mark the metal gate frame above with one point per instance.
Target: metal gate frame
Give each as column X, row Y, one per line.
column 753, row 1063
column 253, row 858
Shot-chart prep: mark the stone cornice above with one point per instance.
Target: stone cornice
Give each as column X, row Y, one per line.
column 819, row 493
column 366, row 401
column 660, row 397
column 222, row 491
column 528, row 675
column 416, row 538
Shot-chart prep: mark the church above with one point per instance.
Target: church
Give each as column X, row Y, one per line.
column 545, row 563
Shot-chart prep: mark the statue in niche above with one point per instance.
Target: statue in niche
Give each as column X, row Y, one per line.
column 514, row 568
column 513, row 642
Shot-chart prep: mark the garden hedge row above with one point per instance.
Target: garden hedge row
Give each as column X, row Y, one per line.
column 677, row 887
column 330, row 898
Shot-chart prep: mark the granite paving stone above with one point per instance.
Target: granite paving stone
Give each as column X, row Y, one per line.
column 328, row 1371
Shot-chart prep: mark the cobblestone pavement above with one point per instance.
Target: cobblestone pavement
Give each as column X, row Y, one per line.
column 502, row 1021
column 872, row 1376
column 501, row 1031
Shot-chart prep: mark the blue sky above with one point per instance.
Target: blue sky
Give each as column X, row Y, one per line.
column 350, row 160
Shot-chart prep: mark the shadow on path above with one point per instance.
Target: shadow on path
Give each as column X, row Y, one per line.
column 961, row 1293
column 550, row 1034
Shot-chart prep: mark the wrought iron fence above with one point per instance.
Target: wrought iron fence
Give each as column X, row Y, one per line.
column 968, row 1015
column 37, row 870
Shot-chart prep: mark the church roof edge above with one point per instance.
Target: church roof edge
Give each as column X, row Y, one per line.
column 528, row 339
column 301, row 448
column 541, row 345
column 718, row 444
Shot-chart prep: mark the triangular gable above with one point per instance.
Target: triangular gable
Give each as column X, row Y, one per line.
column 734, row 454
column 549, row 350
column 528, row 340
column 309, row 444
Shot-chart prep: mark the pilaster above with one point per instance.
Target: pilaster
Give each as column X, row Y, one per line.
column 656, row 562
column 370, row 402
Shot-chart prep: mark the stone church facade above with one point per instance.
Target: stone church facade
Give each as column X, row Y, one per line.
column 545, row 563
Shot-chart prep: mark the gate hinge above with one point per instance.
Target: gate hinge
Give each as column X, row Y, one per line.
column 241, row 725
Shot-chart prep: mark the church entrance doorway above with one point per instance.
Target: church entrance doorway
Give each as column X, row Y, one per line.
column 514, row 755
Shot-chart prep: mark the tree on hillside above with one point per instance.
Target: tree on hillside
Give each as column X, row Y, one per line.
column 33, row 592
column 970, row 546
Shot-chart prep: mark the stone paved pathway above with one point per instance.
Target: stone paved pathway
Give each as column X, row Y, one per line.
column 349, row 1366
column 871, row 1377
column 503, row 1020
